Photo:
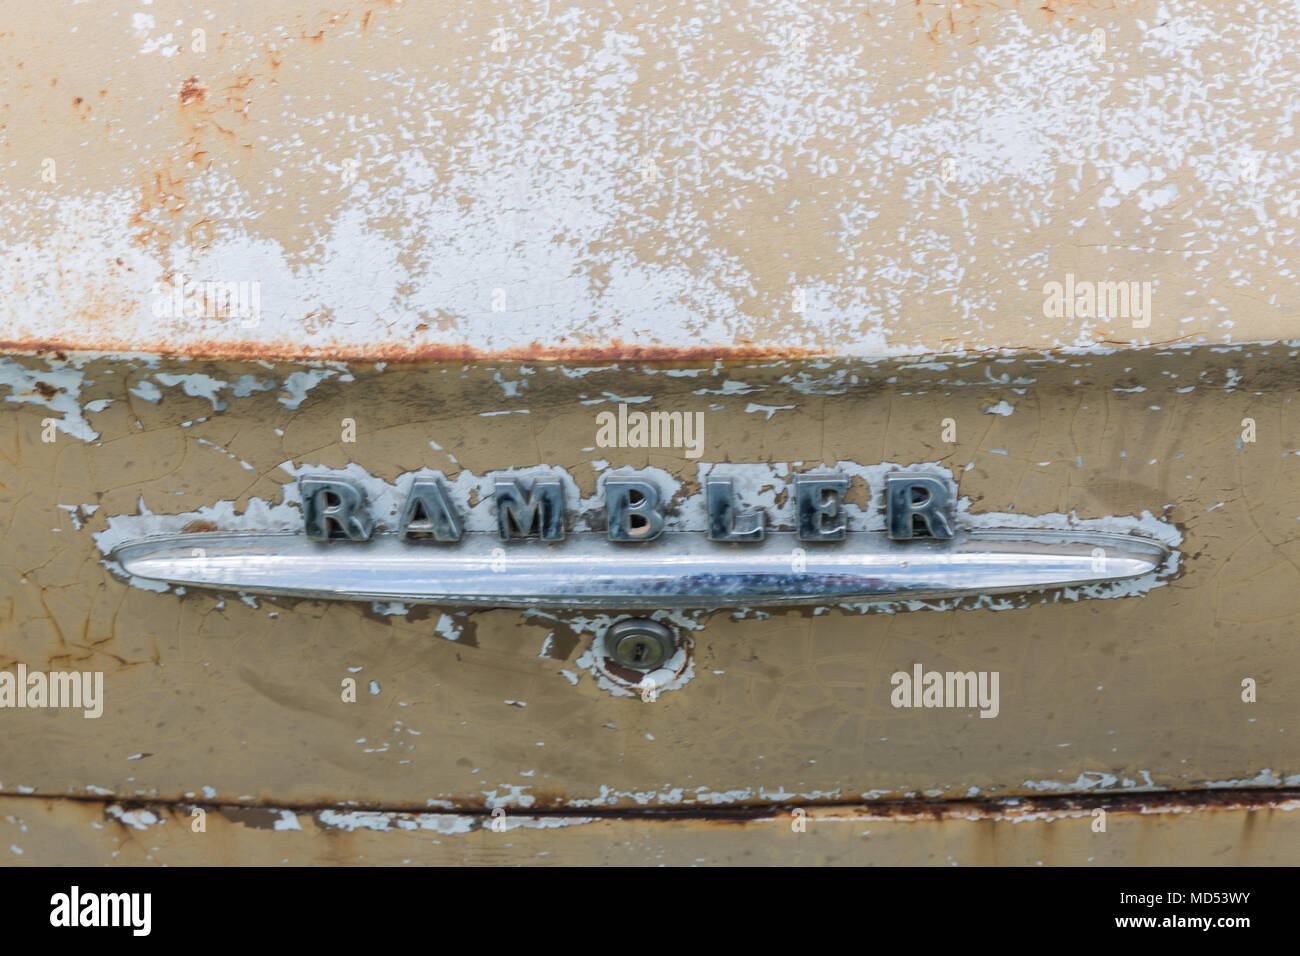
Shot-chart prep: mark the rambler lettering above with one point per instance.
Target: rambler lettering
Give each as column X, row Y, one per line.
column 531, row 538
column 335, row 509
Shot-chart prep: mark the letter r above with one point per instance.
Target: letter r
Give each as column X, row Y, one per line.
column 332, row 503
column 902, row 504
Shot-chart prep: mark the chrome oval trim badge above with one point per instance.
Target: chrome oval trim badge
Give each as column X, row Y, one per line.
column 708, row 551
column 679, row 569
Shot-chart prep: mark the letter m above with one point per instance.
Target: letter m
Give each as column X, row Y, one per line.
column 666, row 429
column 520, row 511
column 221, row 298
column 65, row 687
column 961, row 689
column 119, row 904
column 1116, row 297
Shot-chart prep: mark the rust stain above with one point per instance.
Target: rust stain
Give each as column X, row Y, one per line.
column 163, row 215
column 56, row 833
column 901, row 811
column 943, row 21
column 79, row 605
column 192, row 89
column 614, row 350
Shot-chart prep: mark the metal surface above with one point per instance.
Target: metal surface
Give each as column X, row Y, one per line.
column 726, row 522
column 336, row 508
column 645, row 182
column 1239, row 828
column 821, row 236
column 1141, row 688
column 904, row 507
column 678, row 569
column 640, row 644
column 1138, row 689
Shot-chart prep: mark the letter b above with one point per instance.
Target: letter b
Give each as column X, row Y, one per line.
column 626, row 500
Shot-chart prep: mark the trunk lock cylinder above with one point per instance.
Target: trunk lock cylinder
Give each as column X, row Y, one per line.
column 640, row 644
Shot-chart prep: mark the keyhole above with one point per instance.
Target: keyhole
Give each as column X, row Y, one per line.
column 640, row 644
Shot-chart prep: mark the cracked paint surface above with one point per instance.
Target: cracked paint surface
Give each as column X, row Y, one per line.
column 635, row 181
column 830, row 227
column 240, row 701
column 1245, row 831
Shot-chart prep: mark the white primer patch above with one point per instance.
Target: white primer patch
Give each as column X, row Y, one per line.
column 448, row 824
column 66, row 384
column 136, row 819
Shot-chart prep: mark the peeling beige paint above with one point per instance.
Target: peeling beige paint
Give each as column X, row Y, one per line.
column 242, row 697
column 73, row 832
column 490, row 180
column 828, row 228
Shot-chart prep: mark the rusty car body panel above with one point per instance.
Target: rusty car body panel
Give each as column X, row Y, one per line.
column 830, row 230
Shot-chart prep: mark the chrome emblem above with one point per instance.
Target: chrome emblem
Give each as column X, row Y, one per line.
column 335, row 508
column 633, row 547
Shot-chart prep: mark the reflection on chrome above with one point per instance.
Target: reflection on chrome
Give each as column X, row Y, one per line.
column 677, row 569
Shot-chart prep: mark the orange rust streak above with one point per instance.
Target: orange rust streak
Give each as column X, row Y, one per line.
column 614, row 350
column 192, row 89
column 925, row 811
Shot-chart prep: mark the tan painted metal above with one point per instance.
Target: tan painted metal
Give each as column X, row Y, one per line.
column 94, row 832
column 631, row 179
column 205, row 691
column 828, row 228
